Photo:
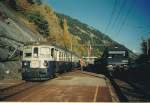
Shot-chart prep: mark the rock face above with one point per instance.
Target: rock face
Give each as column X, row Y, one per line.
column 10, row 70
column 13, row 34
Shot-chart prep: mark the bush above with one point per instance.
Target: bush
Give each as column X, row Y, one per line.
column 13, row 4
column 38, row 19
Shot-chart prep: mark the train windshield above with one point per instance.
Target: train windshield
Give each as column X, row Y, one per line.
column 117, row 54
column 45, row 52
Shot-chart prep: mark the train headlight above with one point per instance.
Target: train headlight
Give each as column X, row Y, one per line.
column 125, row 67
column 25, row 63
column 110, row 66
column 45, row 63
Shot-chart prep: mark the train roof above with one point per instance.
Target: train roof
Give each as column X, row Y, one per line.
column 38, row 44
column 50, row 44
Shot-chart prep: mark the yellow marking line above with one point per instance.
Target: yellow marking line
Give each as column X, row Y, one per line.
column 96, row 93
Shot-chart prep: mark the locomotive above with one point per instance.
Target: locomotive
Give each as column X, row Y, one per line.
column 115, row 59
column 43, row 61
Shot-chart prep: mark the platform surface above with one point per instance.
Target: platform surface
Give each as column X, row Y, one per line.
column 69, row 87
column 4, row 84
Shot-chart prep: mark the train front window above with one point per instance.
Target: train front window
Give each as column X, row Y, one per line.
column 35, row 52
column 116, row 54
column 45, row 52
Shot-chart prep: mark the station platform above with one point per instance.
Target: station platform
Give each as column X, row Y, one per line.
column 76, row 86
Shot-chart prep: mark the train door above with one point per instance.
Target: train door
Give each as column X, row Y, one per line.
column 56, row 59
column 45, row 56
column 51, row 63
column 35, row 63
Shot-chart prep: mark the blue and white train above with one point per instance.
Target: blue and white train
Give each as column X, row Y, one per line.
column 42, row 61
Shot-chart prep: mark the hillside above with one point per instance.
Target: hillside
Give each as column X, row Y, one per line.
column 58, row 28
column 88, row 34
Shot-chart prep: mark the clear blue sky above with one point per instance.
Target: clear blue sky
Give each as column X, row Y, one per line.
column 125, row 21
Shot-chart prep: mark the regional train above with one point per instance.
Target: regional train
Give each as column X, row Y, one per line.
column 43, row 61
column 115, row 59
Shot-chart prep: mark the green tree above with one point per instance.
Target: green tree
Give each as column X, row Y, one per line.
column 38, row 19
column 13, row 4
column 31, row 1
column 146, row 47
column 145, row 56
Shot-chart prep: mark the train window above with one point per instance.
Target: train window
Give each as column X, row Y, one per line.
column 35, row 52
column 56, row 54
column 59, row 55
column 28, row 55
column 52, row 52
column 62, row 56
column 126, row 54
column 65, row 57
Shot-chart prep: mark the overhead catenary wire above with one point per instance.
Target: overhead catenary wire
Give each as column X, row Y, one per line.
column 112, row 15
column 126, row 17
column 118, row 17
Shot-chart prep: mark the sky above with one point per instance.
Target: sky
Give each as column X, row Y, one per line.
column 125, row 21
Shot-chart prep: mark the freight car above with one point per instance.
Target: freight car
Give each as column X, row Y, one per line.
column 43, row 61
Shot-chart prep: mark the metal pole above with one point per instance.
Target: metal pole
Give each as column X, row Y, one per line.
column 71, row 52
column 147, row 47
column 88, row 51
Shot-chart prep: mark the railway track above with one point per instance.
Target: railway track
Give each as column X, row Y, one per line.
column 128, row 92
column 120, row 94
column 13, row 90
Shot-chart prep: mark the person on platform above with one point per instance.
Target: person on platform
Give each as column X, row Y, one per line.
column 81, row 64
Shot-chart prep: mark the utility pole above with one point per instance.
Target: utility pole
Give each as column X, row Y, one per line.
column 71, row 52
column 147, row 43
column 88, row 51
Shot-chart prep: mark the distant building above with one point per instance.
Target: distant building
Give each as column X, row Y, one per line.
column 90, row 60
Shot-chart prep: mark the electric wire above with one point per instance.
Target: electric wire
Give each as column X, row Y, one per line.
column 126, row 17
column 118, row 17
column 112, row 15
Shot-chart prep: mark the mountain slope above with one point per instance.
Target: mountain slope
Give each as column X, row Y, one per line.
column 88, row 34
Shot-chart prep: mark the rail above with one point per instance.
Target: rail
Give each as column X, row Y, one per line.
column 12, row 90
